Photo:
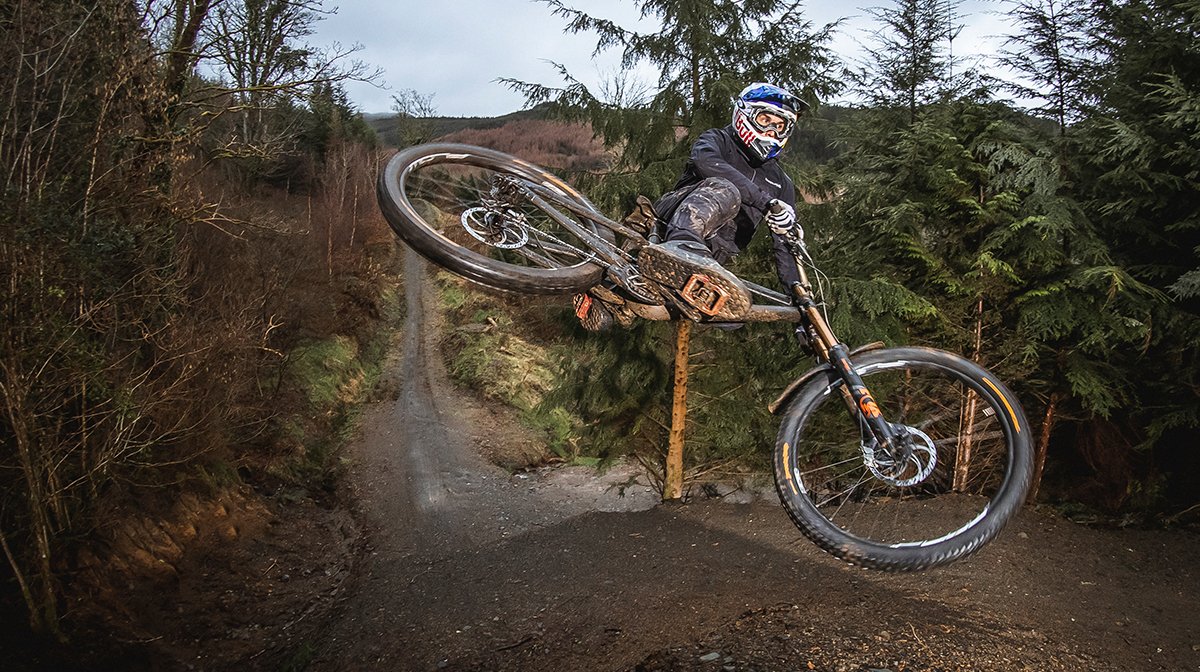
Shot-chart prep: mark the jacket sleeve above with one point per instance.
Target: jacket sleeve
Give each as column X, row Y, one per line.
column 708, row 156
column 785, row 263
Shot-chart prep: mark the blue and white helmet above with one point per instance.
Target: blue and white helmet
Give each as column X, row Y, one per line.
column 752, row 102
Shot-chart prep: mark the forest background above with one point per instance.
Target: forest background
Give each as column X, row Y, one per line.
column 198, row 284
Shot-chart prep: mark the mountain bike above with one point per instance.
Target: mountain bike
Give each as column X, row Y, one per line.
column 901, row 458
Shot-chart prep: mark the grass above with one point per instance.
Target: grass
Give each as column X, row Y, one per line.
column 329, row 371
column 332, row 377
column 489, row 351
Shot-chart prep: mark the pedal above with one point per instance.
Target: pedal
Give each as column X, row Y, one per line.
column 704, row 295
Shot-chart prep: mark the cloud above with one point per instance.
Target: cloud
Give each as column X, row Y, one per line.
column 456, row 50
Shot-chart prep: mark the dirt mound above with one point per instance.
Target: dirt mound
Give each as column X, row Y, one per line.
column 217, row 582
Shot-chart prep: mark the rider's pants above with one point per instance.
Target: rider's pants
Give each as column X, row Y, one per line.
column 706, row 216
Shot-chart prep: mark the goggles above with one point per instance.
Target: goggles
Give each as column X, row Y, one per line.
column 767, row 118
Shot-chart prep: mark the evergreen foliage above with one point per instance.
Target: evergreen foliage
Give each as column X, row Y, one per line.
column 1143, row 186
column 705, row 52
column 907, row 67
column 1054, row 57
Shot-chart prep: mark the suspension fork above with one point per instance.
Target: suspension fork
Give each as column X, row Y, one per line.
column 859, row 402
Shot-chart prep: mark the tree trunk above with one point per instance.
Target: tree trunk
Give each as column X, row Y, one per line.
column 40, row 598
column 1043, row 446
column 673, row 481
column 966, row 421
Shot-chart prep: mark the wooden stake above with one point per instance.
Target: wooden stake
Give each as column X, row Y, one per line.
column 966, row 424
column 673, row 482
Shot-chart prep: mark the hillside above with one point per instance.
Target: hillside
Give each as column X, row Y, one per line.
column 529, row 134
column 383, row 124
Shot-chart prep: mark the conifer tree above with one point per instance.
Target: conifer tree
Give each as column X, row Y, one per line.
column 1064, row 312
column 908, row 65
column 1053, row 53
column 705, row 52
column 1143, row 190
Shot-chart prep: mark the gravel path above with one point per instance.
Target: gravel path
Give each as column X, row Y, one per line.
column 469, row 567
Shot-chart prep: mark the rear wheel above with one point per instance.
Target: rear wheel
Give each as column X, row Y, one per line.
column 966, row 473
column 464, row 208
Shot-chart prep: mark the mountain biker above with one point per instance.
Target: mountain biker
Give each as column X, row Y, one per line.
column 732, row 181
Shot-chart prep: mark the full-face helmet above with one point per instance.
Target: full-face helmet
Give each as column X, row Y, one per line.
column 764, row 117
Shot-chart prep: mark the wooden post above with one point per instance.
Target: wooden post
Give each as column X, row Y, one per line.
column 673, row 481
column 966, row 423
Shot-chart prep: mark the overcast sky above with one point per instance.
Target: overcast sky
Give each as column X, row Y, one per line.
column 454, row 50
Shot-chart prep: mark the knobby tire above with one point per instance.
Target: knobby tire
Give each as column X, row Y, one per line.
column 978, row 481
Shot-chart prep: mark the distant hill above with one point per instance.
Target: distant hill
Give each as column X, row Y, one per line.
column 384, row 123
column 528, row 134
column 532, row 135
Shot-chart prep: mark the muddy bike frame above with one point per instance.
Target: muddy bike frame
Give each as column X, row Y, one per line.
column 813, row 331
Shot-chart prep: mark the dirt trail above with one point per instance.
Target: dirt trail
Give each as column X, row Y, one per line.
column 469, row 567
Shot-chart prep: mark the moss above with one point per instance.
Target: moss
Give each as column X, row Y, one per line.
column 328, row 371
column 334, row 376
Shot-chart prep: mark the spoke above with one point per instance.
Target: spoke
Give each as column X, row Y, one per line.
column 832, row 465
column 561, row 246
column 451, row 189
column 847, row 498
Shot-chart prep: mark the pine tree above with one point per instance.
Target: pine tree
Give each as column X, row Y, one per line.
column 908, row 63
column 1053, row 53
column 705, row 53
column 1066, row 314
column 1143, row 189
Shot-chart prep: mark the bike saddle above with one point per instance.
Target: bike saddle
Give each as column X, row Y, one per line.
column 703, row 284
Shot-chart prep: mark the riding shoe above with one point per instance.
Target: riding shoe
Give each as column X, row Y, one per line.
column 688, row 268
column 593, row 314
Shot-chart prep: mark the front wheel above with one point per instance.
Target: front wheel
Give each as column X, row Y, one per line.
column 467, row 209
column 965, row 473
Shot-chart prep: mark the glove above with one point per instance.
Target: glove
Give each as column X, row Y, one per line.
column 781, row 219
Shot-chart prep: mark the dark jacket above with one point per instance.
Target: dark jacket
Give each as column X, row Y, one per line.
column 719, row 153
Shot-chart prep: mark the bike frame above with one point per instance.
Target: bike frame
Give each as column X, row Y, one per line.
column 813, row 327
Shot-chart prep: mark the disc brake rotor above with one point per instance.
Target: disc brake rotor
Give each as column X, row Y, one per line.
column 502, row 228
column 903, row 473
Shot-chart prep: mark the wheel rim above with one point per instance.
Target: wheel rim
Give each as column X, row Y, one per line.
column 456, row 197
column 923, row 498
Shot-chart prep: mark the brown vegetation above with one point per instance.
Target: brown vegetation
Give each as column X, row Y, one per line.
column 567, row 147
column 154, row 312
